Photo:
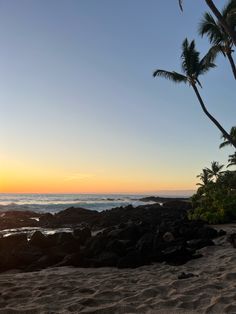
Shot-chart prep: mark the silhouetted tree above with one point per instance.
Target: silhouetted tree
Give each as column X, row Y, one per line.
column 231, row 32
column 205, row 177
column 220, row 40
column 193, row 67
column 215, row 171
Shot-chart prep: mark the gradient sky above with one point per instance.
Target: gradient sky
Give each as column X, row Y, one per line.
column 79, row 109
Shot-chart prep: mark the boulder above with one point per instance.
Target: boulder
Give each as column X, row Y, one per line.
column 77, row 215
column 168, row 237
column 82, row 234
column 96, row 245
column 38, row 239
column 177, row 254
column 130, row 232
column 47, row 219
column 145, row 244
column 64, row 241
column 197, row 244
column 132, row 259
column 13, row 241
column 118, row 247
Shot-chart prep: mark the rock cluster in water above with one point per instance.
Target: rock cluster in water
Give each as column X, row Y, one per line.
column 124, row 237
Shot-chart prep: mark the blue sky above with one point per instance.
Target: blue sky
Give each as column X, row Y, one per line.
column 77, row 96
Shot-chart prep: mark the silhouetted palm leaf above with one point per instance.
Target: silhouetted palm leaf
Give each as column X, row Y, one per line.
column 232, row 160
column 226, row 142
column 173, row 76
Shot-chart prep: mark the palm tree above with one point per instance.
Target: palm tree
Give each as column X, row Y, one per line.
column 215, row 171
column 220, row 40
column 193, row 67
column 204, row 177
column 231, row 32
column 232, row 160
column 233, row 136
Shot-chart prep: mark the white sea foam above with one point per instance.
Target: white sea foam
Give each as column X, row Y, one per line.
column 57, row 202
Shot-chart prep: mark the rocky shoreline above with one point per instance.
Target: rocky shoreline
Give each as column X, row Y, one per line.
column 123, row 237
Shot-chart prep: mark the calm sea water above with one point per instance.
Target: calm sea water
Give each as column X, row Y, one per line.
column 57, row 202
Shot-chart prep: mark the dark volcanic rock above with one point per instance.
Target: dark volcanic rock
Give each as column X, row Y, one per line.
column 186, row 275
column 72, row 216
column 13, row 241
column 197, row 244
column 65, row 242
column 39, row 240
column 145, row 244
column 119, row 247
column 221, row 233
column 176, row 255
column 130, row 237
column 15, row 252
column 178, row 205
column 232, row 239
column 132, row 259
column 96, row 245
column 18, row 219
column 46, row 220
column 83, row 234
column 74, row 259
column 148, row 214
column 130, row 232
column 159, row 199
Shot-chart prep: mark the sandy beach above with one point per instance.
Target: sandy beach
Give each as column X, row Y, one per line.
column 148, row 289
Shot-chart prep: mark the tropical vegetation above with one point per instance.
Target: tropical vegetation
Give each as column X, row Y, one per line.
column 215, row 198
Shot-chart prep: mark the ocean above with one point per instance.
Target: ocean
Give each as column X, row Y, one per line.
column 56, row 202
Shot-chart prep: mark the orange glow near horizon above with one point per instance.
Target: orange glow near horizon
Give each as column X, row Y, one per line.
column 39, row 183
column 19, row 177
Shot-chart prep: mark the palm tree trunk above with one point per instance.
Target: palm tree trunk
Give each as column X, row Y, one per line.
column 231, row 60
column 222, row 21
column 226, row 134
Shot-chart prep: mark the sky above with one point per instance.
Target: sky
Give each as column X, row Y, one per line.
column 79, row 109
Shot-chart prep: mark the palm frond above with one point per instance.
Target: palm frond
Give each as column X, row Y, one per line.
column 190, row 57
column 172, row 76
column 229, row 14
column 209, row 27
column 226, row 142
column 207, row 62
column 199, row 83
column 229, row 8
column 232, row 160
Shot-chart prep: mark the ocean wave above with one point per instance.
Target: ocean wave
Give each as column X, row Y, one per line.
column 57, row 202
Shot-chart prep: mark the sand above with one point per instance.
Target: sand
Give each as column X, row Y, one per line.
column 149, row 289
